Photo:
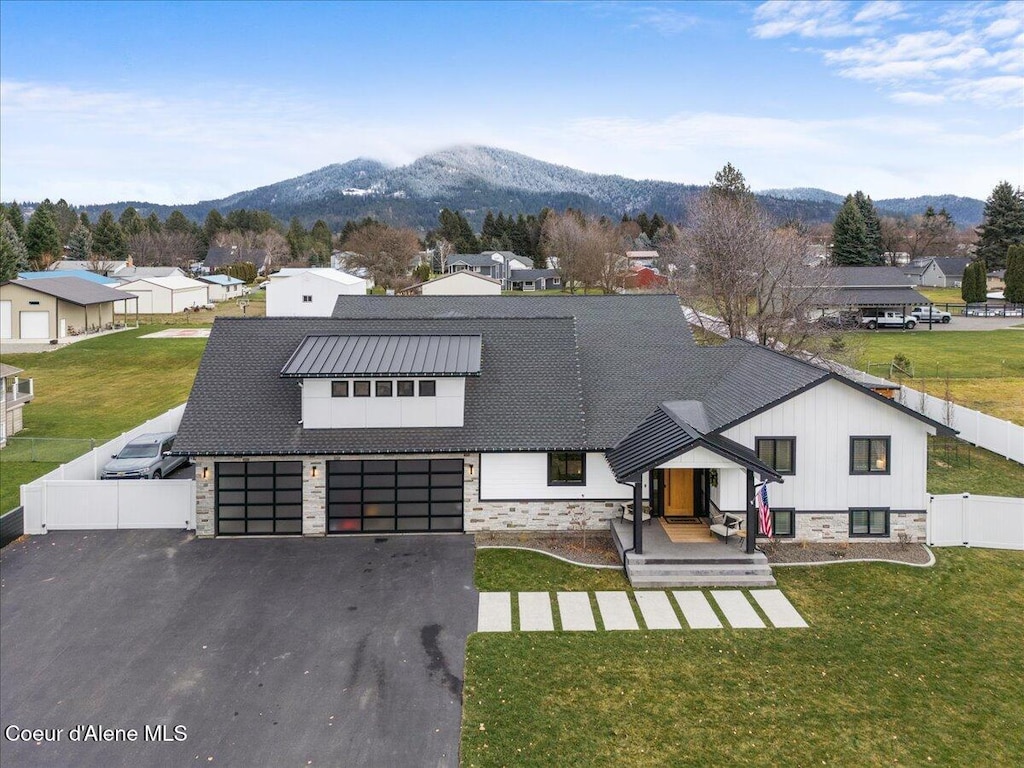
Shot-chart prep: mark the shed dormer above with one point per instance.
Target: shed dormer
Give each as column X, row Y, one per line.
column 375, row 381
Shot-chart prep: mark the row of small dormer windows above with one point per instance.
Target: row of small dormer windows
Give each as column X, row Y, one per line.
column 384, row 388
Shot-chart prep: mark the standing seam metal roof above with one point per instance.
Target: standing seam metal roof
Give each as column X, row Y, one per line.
column 442, row 355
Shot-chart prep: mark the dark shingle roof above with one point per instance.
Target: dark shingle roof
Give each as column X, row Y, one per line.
column 953, row 266
column 877, row 297
column 531, row 274
column 326, row 356
column 75, row 290
column 870, row 277
column 528, row 399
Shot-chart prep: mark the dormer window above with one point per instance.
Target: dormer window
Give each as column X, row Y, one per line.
column 339, row 389
column 361, row 388
column 428, row 388
column 406, row 388
column 383, row 389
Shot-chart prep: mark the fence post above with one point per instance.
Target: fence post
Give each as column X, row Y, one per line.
column 965, row 523
column 929, row 516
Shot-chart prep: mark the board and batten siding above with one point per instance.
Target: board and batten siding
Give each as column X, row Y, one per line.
column 823, row 420
column 321, row 411
column 524, row 476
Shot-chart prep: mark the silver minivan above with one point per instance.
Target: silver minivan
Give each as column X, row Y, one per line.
column 144, row 457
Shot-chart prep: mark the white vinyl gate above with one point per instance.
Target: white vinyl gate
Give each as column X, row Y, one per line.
column 956, row 520
column 71, row 498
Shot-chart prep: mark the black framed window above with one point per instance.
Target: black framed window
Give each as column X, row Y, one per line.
column 567, row 468
column 779, row 453
column 307, row 299
column 383, row 389
column 869, row 522
column 361, row 389
column 783, row 524
column 406, row 388
column 869, row 456
column 428, row 388
column 339, row 389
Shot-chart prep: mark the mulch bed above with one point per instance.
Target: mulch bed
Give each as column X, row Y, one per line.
column 597, row 550
column 806, row 552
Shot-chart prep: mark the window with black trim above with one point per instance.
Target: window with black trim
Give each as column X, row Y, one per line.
column 779, row 453
column 406, row 388
column 567, row 468
column 869, row 455
column 339, row 389
column 307, row 299
column 783, row 524
column 428, row 388
column 360, row 389
column 383, row 389
column 869, row 522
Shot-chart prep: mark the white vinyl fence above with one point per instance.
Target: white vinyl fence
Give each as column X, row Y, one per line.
column 996, row 435
column 72, row 498
column 957, row 520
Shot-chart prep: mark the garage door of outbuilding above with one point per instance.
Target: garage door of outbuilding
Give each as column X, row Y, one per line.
column 35, row 324
column 401, row 496
column 256, row 498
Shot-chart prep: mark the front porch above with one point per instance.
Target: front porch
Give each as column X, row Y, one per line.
column 711, row 563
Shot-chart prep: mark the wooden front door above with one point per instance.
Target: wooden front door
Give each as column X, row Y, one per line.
column 679, row 492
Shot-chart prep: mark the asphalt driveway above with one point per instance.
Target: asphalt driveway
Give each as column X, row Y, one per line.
column 269, row 652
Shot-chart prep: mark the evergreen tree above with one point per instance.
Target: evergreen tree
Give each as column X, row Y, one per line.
column 321, row 244
column 851, row 240
column 83, row 219
column 108, row 241
column 297, row 238
column 455, row 229
column 213, row 224
column 17, row 218
column 130, row 222
column 1003, row 224
column 153, row 224
column 1014, row 291
column 728, row 181
column 489, row 232
column 974, row 285
column 13, row 253
column 65, row 218
column 872, row 226
column 178, row 222
column 80, row 243
column 42, row 238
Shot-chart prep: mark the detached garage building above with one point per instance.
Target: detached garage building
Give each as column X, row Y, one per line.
column 313, row 292
column 166, row 295
column 55, row 308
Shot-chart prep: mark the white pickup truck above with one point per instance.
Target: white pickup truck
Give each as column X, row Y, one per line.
column 888, row 319
column 930, row 315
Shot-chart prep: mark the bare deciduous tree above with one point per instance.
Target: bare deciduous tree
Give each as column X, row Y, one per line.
column 167, row 248
column 586, row 252
column 386, row 253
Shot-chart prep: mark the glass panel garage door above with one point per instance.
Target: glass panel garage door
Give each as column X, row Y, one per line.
column 403, row 495
column 259, row 497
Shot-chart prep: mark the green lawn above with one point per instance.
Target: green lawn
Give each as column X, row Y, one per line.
column 958, row 467
column 501, row 570
column 942, row 295
column 900, row 666
column 985, row 368
column 96, row 389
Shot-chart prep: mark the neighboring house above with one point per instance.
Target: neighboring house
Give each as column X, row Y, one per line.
column 15, row 392
column 923, row 272
column 495, row 264
column 947, row 272
column 218, row 257
column 166, row 295
column 996, row 280
column 106, row 268
column 463, row 283
column 859, row 288
column 534, row 280
column 82, row 274
column 222, row 287
column 311, row 292
column 129, row 273
column 642, row 278
column 449, row 413
column 641, row 258
column 55, row 308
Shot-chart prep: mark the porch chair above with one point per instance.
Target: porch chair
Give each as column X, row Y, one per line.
column 725, row 525
column 626, row 512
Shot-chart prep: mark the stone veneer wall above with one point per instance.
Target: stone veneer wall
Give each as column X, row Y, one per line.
column 835, row 526
column 560, row 515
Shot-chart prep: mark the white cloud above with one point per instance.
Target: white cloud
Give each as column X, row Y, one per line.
column 918, row 99
column 809, row 18
column 881, row 9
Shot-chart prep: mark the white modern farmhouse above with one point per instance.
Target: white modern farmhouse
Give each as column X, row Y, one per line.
column 423, row 414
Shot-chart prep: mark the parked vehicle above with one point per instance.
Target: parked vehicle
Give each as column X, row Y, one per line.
column 144, row 457
column 887, row 319
column 930, row 315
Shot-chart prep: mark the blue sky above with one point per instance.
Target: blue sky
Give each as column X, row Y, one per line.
column 180, row 102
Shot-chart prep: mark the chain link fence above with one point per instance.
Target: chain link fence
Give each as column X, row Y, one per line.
column 47, row 449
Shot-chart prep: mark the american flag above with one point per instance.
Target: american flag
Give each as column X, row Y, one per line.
column 764, row 513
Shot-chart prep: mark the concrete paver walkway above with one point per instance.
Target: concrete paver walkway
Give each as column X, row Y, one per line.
column 622, row 611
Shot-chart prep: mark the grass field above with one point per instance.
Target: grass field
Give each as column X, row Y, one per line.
column 255, row 306
column 957, row 467
column 899, row 666
column 942, row 295
column 985, row 368
column 97, row 388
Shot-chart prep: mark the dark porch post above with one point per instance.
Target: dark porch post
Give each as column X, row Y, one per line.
column 638, row 515
column 707, row 493
column 751, row 514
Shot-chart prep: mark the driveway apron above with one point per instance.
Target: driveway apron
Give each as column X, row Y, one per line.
column 276, row 652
